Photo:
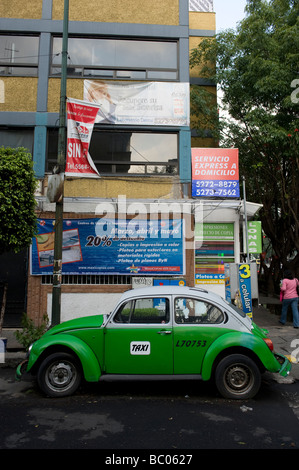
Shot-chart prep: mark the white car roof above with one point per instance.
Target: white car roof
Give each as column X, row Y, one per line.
column 172, row 290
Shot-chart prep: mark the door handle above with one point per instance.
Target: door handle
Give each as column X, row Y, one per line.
column 164, row 332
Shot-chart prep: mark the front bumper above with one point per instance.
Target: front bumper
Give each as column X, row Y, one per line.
column 21, row 371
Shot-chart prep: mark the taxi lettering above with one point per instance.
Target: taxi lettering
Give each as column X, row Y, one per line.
column 140, row 347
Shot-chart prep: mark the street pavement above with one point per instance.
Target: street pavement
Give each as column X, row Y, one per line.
column 284, row 337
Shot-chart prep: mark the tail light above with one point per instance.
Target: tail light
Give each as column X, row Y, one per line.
column 269, row 343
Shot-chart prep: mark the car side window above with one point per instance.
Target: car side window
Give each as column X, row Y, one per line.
column 144, row 310
column 189, row 310
column 124, row 313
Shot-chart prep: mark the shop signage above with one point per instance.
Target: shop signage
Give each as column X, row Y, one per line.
column 169, row 282
column 214, row 246
column 245, row 288
column 215, row 172
column 101, row 246
column 254, row 230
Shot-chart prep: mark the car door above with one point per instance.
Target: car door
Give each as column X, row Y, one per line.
column 139, row 338
column 197, row 324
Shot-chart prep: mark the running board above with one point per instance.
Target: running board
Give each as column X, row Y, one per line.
column 142, row 377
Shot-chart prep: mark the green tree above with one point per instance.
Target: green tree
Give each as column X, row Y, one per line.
column 17, row 202
column 256, row 66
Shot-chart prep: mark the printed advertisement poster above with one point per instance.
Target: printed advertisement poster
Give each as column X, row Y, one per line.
column 214, row 246
column 254, row 230
column 105, row 246
column 215, row 172
column 245, row 288
column 146, row 103
column 227, row 283
column 80, row 121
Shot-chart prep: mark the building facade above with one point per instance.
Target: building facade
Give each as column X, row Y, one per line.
column 144, row 167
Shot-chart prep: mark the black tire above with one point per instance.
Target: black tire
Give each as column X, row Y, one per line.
column 59, row 375
column 237, row 377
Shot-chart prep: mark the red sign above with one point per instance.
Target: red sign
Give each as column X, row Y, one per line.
column 80, row 121
column 215, row 164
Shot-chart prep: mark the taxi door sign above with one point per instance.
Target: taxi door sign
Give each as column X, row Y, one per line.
column 140, row 348
column 245, row 288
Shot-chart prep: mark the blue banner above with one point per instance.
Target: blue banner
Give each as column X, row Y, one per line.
column 215, row 188
column 106, row 246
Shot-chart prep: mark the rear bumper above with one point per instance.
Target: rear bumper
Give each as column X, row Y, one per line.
column 286, row 365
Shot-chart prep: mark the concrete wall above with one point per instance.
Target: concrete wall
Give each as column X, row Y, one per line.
column 121, row 11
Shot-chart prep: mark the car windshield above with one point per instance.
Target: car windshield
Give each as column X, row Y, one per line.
column 236, row 309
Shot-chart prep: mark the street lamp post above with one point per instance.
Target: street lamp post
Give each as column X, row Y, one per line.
column 57, row 269
column 246, row 224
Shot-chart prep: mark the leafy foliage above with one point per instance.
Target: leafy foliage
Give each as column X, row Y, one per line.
column 30, row 332
column 17, row 203
column 255, row 67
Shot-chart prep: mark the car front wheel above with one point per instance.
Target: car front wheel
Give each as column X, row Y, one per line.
column 59, row 375
column 237, row 377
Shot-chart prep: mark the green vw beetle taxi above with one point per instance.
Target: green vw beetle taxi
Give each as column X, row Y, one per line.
column 154, row 332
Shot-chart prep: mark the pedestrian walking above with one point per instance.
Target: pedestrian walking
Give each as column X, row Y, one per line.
column 289, row 295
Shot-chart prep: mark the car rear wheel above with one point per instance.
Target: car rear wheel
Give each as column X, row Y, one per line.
column 59, row 375
column 238, row 377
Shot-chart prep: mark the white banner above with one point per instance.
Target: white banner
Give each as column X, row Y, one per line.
column 142, row 103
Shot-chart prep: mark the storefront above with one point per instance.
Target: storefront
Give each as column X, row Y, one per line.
column 184, row 243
